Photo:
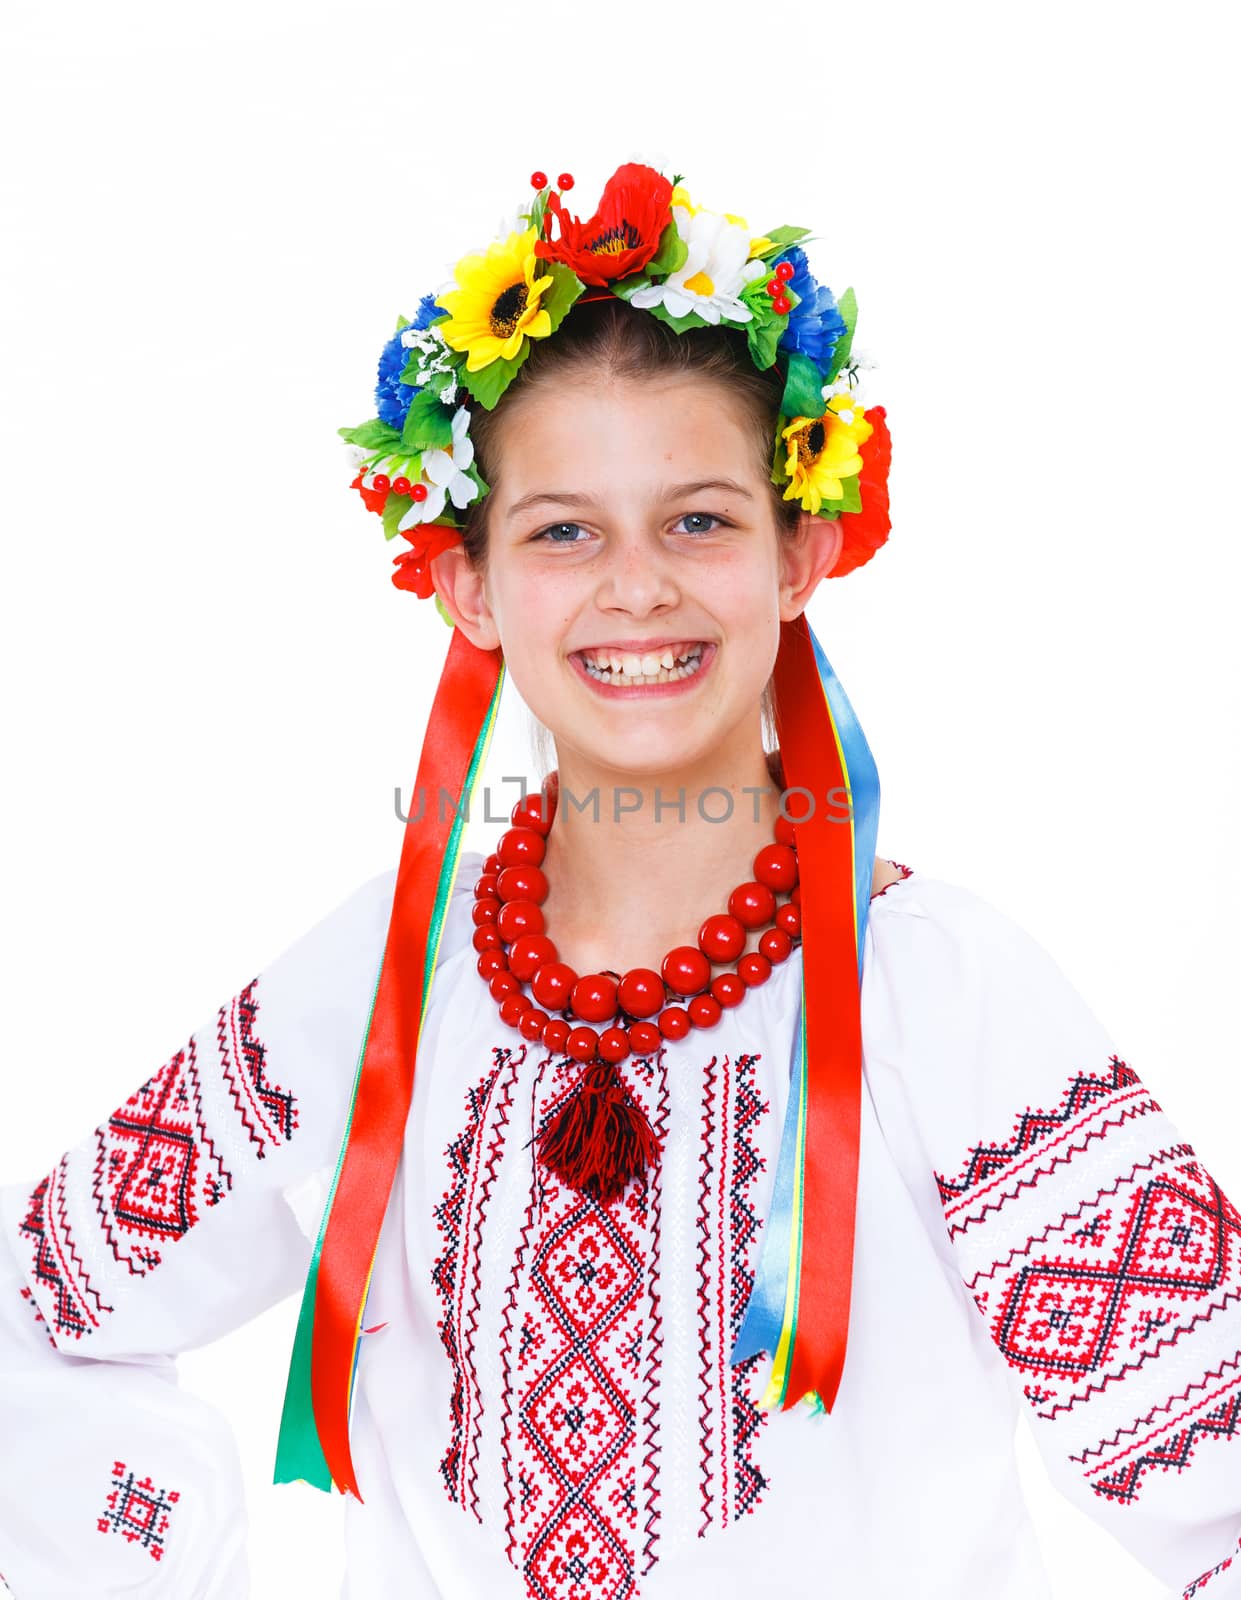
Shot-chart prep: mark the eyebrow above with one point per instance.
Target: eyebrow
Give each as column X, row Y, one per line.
column 675, row 491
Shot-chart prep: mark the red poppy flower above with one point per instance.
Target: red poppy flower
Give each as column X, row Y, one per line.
column 372, row 498
column 623, row 234
column 865, row 530
column 413, row 567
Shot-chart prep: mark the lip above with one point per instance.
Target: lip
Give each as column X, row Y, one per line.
column 640, row 647
column 645, row 691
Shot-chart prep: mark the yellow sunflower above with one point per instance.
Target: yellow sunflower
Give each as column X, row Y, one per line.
column 496, row 305
column 824, row 450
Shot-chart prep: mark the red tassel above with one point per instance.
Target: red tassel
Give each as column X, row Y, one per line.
column 599, row 1138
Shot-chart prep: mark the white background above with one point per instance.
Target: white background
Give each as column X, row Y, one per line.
column 211, row 689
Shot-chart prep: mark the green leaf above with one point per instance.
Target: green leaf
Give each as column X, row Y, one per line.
column 691, row 319
column 803, row 388
column 395, row 507
column 779, row 452
column 767, row 325
column 786, row 236
column 672, row 254
column 402, row 322
column 428, row 423
column 372, row 435
column 623, row 288
column 538, row 207
column 847, row 306
column 566, row 286
column 851, row 500
column 490, row 382
column 483, row 487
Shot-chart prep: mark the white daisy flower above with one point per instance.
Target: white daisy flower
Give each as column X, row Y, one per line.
column 443, row 472
column 715, row 271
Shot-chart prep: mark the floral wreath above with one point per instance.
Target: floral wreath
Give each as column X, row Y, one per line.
column 648, row 244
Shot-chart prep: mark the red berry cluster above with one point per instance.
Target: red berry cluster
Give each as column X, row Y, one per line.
column 513, row 949
column 383, row 483
column 780, row 302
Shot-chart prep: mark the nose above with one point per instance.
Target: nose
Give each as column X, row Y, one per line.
column 636, row 576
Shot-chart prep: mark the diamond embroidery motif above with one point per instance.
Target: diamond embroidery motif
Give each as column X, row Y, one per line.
column 138, row 1511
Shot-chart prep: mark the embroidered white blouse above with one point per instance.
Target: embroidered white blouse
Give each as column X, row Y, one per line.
column 545, row 1407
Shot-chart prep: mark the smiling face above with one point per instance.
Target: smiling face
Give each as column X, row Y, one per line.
column 631, row 516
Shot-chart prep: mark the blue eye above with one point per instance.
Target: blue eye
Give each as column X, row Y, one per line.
column 690, row 516
column 700, row 516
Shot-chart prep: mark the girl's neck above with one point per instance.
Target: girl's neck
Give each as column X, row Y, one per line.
column 635, row 865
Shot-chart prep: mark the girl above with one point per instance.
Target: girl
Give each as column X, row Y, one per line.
column 577, row 1290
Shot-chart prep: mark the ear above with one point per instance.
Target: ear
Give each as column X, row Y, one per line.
column 462, row 591
column 806, row 556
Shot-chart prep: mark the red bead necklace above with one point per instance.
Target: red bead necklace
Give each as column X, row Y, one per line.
column 599, row 1138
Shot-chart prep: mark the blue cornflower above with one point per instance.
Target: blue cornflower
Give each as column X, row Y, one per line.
column 815, row 324
column 392, row 397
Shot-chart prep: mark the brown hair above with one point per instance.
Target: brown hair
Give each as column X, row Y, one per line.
column 614, row 339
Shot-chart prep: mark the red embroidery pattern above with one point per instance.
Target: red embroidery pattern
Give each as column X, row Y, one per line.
column 157, row 1168
column 459, row 1217
column 731, row 1482
column 1095, row 1244
column 655, row 1332
column 1199, row 1584
column 575, row 1375
column 153, row 1170
column 138, row 1511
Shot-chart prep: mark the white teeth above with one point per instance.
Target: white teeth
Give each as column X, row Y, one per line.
column 650, row 668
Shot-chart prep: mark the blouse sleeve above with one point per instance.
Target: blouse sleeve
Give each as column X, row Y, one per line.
column 182, row 1215
column 1102, row 1256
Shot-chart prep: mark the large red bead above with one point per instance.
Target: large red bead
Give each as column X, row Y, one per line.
column 491, row 962
column 488, row 888
column 594, row 998
column 582, row 1044
column 487, row 937
column 641, row 992
column 674, row 1023
column 552, row 984
column 529, row 954
column 512, row 1007
column 785, row 831
column 645, row 1038
column 522, row 883
column 555, row 1033
column 613, row 1044
column 704, row 1011
column 753, row 969
column 753, row 904
column 728, row 989
column 776, row 945
column 535, row 812
column 521, row 847
column 685, row 970
column 776, row 866
column 484, row 911
column 788, row 917
column 519, row 917
column 492, row 863
column 531, row 1023
column 501, row 984
column 721, row 938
